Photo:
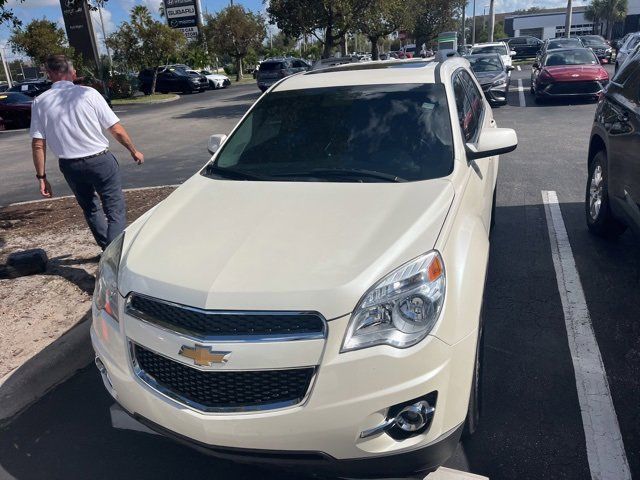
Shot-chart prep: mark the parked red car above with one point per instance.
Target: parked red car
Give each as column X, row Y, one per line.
column 15, row 110
column 568, row 72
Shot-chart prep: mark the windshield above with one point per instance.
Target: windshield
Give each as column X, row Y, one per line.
column 579, row 56
column 563, row 43
column 485, row 64
column 356, row 134
column 499, row 49
column 595, row 40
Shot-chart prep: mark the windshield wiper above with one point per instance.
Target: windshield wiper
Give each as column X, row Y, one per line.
column 339, row 172
column 213, row 169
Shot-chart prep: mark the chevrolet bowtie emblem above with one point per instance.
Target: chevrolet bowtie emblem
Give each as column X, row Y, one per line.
column 203, row 356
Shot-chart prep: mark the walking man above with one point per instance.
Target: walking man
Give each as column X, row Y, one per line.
column 70, row 119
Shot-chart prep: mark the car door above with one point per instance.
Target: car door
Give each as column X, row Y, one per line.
column 621, row 118
column 472, row 116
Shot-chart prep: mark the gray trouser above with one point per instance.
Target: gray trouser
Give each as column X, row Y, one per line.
column 94, row 181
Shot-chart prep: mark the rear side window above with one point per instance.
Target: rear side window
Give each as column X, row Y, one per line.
column 632, row 42
column 518, row 41
column 271, row 66
column 469, row 104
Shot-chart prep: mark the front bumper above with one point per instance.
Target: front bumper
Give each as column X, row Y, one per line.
column 496, row 94
column 423, row 459
column 351, row 393
column 570, row 89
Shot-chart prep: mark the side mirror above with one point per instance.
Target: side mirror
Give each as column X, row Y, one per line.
column 214, row 142
column 492, row 141
column 510, row 68
column 512, row 53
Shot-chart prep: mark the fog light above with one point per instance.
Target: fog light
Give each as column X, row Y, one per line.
column 414, row 417
column 406, row 419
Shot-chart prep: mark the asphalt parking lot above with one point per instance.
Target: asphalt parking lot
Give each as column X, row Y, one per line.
column 532, row 421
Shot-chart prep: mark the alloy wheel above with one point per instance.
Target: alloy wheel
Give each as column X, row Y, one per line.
column 595, row 192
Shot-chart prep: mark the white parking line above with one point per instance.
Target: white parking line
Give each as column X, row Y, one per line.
column 523, row 103
column 605, row 449
column 518, row 68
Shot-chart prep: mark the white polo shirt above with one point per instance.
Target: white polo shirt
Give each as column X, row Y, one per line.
column 71, row 118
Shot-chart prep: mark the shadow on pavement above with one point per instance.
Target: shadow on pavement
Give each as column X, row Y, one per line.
column 225, row 111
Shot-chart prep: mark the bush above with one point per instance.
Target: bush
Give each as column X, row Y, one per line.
column 230, row 69
column 123, row 85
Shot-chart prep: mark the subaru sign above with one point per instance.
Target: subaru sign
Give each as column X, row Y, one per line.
column 183, row 15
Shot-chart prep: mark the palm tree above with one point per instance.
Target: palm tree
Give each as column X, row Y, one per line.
column 609, row 11
column 594, row 13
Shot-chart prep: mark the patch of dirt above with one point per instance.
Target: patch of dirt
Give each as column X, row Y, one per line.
column 35, row 310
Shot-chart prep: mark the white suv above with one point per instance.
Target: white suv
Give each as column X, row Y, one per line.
column 501, row 48
column 313, row 296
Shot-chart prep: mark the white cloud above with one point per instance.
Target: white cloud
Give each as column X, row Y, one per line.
column 109, row 27
column 31, row 4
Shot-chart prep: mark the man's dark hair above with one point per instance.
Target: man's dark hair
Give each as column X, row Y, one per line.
column 58, row 64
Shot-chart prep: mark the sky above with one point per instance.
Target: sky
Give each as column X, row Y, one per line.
column 116, row 11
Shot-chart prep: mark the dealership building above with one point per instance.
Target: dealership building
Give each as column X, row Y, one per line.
column 550, row 23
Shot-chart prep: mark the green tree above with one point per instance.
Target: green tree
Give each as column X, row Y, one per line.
column 145, row 42
column 609, row 11
column 39, row 39
column 334, row 18
column 234, row 31
column 433, row 17
column 383, row 17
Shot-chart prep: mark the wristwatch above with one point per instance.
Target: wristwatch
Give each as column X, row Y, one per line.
column 41, row 177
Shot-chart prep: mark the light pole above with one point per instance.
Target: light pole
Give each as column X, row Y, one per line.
column 464, row 20
column 7, row 74
column 104, row 37
column 473, row 31
column 492, row 19
column 567, row 20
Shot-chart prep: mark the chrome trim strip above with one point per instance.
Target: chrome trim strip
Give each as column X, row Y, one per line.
column 294, row 337
column 149, row 381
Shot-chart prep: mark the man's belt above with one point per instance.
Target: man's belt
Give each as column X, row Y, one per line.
column 106, row 150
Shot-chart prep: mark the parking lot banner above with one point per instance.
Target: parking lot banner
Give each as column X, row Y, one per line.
column 185, row 15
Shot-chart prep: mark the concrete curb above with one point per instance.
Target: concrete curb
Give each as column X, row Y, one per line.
column 41, row 200
column 155, row 102
column 50, row 367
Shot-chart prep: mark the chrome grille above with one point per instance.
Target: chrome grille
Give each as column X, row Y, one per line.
column 219, row 391
column 220, row 324
column 575, row 88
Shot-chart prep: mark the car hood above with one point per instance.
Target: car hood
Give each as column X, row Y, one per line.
column 488, row 77
column 578, row 73
column 313, row 246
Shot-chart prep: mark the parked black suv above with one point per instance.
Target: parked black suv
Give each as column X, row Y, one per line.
column 612, row 200
column 169, row 80
column 525, row 47
column 273, row 69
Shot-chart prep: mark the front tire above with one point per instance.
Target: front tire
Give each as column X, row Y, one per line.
column 600, row 220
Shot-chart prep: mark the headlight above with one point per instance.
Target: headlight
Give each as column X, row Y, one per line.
column 499, row 82
column 105, row 295
column 402, row 308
